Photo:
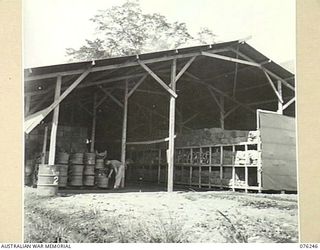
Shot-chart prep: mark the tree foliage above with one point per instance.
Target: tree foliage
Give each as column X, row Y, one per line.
column 126, row 30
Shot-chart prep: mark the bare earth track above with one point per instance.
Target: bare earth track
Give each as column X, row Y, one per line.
column 213, row 216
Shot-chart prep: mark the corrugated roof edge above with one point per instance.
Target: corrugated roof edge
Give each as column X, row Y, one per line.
column 150, row 54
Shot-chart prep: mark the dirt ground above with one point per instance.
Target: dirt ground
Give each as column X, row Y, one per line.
column 213, row 216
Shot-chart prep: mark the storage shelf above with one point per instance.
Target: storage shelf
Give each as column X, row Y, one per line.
column 189, row 171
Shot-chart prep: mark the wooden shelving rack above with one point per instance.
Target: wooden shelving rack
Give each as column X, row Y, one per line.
column 234, row 166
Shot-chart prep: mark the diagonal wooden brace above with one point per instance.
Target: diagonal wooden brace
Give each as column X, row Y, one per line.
column 162, row 83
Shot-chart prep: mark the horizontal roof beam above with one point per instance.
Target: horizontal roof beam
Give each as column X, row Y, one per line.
column 231, row 59
column 285, row 83
column 120, row 65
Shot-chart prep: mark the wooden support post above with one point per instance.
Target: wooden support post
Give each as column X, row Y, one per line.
column 221, row 166
column 233, row 168
column 210, row 165
column 280, row 105
column 94, row 117
column 190, row 170
column 159, row 165
column 222, row 112
column 124, row 130
column 246, row 176
column 235, row 77
column 172, row 125
column 200, row 154
column 53, row 136
column 44, row 146
column 273, row 87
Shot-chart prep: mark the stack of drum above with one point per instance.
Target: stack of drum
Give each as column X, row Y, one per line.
column 90, row 160
column 28, row 172
column 101, row 175
column 76, row 169
column 62, row 161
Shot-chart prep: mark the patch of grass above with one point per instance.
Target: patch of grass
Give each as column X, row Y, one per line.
column 234, row 230
column 45, row 225
column 265, row 204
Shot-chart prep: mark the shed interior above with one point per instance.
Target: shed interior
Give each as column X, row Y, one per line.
column 213, row 92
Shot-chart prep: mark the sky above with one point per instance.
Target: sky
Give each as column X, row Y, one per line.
column 51, row 26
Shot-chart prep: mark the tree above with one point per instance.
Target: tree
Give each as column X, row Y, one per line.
column 126, row 30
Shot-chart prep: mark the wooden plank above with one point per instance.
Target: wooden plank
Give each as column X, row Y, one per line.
column 159, row 165
column 215, row 98
column 210, row 165
column 55, row 119
column 231, row 111
column 94, row 118
column 231, row 59
column 162, row 83
column 233, row 169
column 149, row 142
column 124, row 131
column 273, row 87
column 172, row 114
column 289, row 103
column 185, row 67
column 44, row 145
column 112, row 97
column 100, row 101
column 200, row 150
column 190, row 118
column 221, row 165
column 33, row 120
column 137, row 85
column 246, row 177
column 191, row 161
column 235, row 77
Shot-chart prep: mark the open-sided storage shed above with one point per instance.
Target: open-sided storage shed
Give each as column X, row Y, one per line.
column 149, row 99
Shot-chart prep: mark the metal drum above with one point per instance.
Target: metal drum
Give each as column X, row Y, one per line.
column 102, row 181
column 76, row 170
column 88, row 170
column 76, row 180
column 63, row 175
column 76, row 175
column 62, row 158
column 90, row 158
column 99, row 164
column 76, row 158
column 48, row 180
column 88, row 180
